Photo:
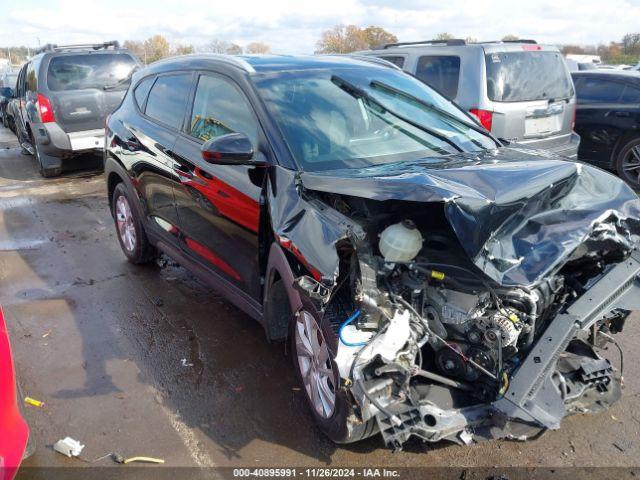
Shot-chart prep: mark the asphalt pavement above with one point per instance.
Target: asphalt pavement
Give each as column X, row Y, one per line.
column 149, row 361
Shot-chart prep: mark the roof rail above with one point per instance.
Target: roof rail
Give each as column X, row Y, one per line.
column 529, row 41
column 451, row 41
column 51, row 47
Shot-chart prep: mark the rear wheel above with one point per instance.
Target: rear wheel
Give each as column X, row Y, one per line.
column 628, row 163
column 131, row 235
column 318, row 375
column 45, row 170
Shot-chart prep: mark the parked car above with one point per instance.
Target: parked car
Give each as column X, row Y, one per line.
column 520, row 91
column 608, row 121
column 7, row 85
column 14, row 432
column 63, row 96
column 431, row 282
column 575, row 66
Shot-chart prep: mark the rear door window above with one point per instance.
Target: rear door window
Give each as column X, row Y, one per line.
column 440, row 72
column 395, row 59
column 598, row 90
column 220, row 108
column 82, row 71
column 527, row 76
column 168, row 99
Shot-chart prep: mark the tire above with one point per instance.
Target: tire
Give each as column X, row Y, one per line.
column 129, row 230
column 45, row 171
column 335, row 423
column 628, row 163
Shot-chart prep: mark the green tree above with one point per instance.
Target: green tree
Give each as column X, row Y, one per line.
column 510, row 38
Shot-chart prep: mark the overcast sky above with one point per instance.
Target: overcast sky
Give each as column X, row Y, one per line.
column 294, row 26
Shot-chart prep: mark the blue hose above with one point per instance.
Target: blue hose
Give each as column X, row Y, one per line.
column 348, row 322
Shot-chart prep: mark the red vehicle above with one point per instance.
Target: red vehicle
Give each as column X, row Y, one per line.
column 14, row 432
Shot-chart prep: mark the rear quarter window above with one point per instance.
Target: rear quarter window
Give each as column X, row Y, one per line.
column 142, row 90
column 598, row 90
column 441, row 72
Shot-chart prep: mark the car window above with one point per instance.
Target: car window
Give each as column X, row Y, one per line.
column 527, row 76
column 630, row 95
column 219, row 108
column 440, row 72
column 598, row 90
column 168, row 99
column 395, row 59
column 75, row 72
column 142, row 90
column 353, row 118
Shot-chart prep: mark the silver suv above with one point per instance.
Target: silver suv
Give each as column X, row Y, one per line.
column 520, row 91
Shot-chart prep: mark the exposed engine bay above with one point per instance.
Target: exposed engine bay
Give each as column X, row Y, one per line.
column 429, row 346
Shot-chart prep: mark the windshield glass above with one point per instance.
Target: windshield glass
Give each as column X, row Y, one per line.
column 76, row 72
column 527, row 76
column 354, row 118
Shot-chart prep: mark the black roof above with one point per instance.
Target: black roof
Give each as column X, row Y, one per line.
column 626, row 75
column 268, row 63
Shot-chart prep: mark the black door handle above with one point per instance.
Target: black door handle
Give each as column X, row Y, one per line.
column 183, row 170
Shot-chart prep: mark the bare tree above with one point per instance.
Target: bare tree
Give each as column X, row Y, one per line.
column 221, row 46
column 180, row 49
column 444, row 36
column 631, row 44
column 156, row 48
column 257, row 47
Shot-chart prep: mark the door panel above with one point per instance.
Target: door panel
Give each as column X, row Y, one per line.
column 601, row 118
column 218, row 205
column 148, row 151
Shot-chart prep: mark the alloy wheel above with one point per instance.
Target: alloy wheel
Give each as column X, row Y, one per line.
column 124, row 221
column 631, row 165
column 315, row 366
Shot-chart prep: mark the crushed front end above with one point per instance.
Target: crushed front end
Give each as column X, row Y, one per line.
column 451, row 323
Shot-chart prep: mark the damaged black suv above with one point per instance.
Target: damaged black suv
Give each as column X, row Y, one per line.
column 431, row 281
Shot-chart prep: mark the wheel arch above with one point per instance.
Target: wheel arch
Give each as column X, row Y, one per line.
column 625, row 138
column 279, row 269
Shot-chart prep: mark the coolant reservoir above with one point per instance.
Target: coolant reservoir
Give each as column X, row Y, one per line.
column 400, row 242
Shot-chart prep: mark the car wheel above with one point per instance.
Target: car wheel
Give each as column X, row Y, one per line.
column 131, row 235
column 628, row 163
column 46, row 172
column 317, row 373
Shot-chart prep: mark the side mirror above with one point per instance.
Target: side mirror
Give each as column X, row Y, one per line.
column 230, row 149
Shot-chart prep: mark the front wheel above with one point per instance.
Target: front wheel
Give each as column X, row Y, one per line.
column 131, row 235
column 628, row 163
column 318, row 375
